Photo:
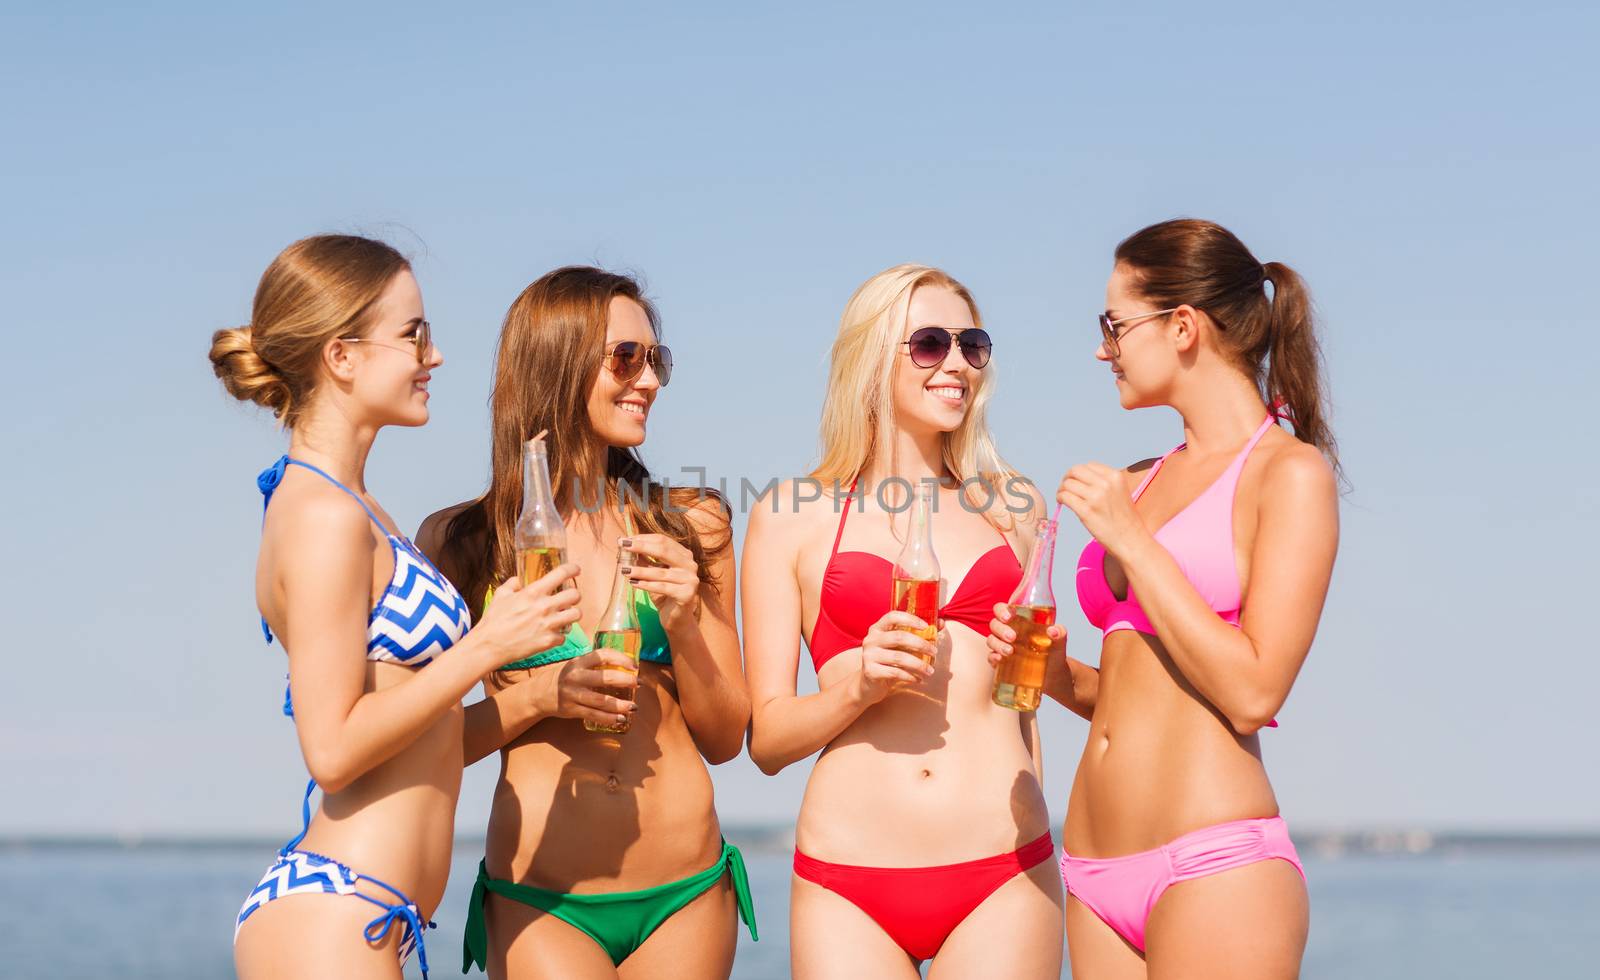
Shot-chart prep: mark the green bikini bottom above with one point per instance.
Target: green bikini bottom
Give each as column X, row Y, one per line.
column 620, row 921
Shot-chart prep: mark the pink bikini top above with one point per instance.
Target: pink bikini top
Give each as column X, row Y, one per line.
column 1199, row 537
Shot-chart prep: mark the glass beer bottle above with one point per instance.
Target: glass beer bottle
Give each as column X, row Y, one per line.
column 619, row 630
column 916, row 570
column 540, row 537
column 1019, row 679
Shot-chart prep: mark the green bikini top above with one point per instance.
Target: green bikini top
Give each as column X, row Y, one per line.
column 653, row 646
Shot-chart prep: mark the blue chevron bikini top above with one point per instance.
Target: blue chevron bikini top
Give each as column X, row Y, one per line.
column 420, row 614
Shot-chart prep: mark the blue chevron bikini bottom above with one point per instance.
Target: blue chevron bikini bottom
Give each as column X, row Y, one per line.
column 298, row 872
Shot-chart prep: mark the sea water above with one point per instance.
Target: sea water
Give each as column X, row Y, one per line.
column 167, row 911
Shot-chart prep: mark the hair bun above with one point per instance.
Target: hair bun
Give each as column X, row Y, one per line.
column 244, row 373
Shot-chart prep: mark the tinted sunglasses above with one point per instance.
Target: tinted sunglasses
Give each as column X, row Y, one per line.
column 627, row 359
column 422, row 340
column 929, row 346
column 1110, row 334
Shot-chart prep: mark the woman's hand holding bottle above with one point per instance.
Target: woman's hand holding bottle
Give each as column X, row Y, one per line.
column 525, row 619
column 1002, row 635
column 893, row 655
column 573, row 688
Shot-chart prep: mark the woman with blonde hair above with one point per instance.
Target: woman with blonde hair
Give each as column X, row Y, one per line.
column 604, row 857
column 379, row 654
column 923, row 833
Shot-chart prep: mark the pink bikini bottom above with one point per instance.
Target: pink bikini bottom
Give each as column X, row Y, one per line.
column 1123, row 890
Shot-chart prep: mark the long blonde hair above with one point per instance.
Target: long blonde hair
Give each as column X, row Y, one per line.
column 858, row 412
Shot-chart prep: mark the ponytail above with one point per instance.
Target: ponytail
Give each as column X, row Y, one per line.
column 1294, row 359
column 1273, row 340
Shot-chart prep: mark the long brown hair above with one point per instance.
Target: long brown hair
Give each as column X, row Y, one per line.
column 317, row 289
column 1273, row 340
column 546, row 366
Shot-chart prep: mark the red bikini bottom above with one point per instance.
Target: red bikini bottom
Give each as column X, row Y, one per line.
column 920, row 907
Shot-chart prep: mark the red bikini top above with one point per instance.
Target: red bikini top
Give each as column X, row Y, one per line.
column 857, row 586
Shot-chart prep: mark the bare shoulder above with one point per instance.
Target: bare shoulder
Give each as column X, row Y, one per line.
column 1298, row 469
column 774, row 511
column 312, row 527
column 430, row 535
column 785, row 517
column 314, row 513
column 1298, row 486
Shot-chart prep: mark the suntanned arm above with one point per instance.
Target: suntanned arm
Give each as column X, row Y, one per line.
column 705, row 650
column 1246, row 673
column 510, row 709
column 323, row 573
column 504, row 713
column 784, row 728
column 1073, row 684
column 1030, row 736
column 500, row 718
column 565, row 689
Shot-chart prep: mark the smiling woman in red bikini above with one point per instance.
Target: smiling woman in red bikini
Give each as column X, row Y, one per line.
column 1207, row 573
column 923, row 833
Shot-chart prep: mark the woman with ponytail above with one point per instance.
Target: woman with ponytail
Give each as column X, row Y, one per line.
column 1207, row 573
column 379, row 654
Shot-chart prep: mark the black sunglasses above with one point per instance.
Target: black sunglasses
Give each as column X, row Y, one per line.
column 929, row 346
column 627, row 360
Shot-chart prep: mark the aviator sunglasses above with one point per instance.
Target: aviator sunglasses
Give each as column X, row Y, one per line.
column 929, row 346
column 627, row 359
column 421, row 340
column 1110, row 334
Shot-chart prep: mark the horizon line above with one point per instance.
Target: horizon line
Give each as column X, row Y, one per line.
column 1370, row 839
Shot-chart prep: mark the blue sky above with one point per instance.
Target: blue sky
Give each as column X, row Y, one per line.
column 1430, row 171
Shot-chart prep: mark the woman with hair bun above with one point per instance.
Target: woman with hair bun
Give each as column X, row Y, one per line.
column 379, row 655
column 1207, row 574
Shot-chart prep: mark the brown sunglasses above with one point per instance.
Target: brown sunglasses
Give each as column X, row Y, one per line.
column 626, row 360
column 1110, row 334
column 422, row 340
